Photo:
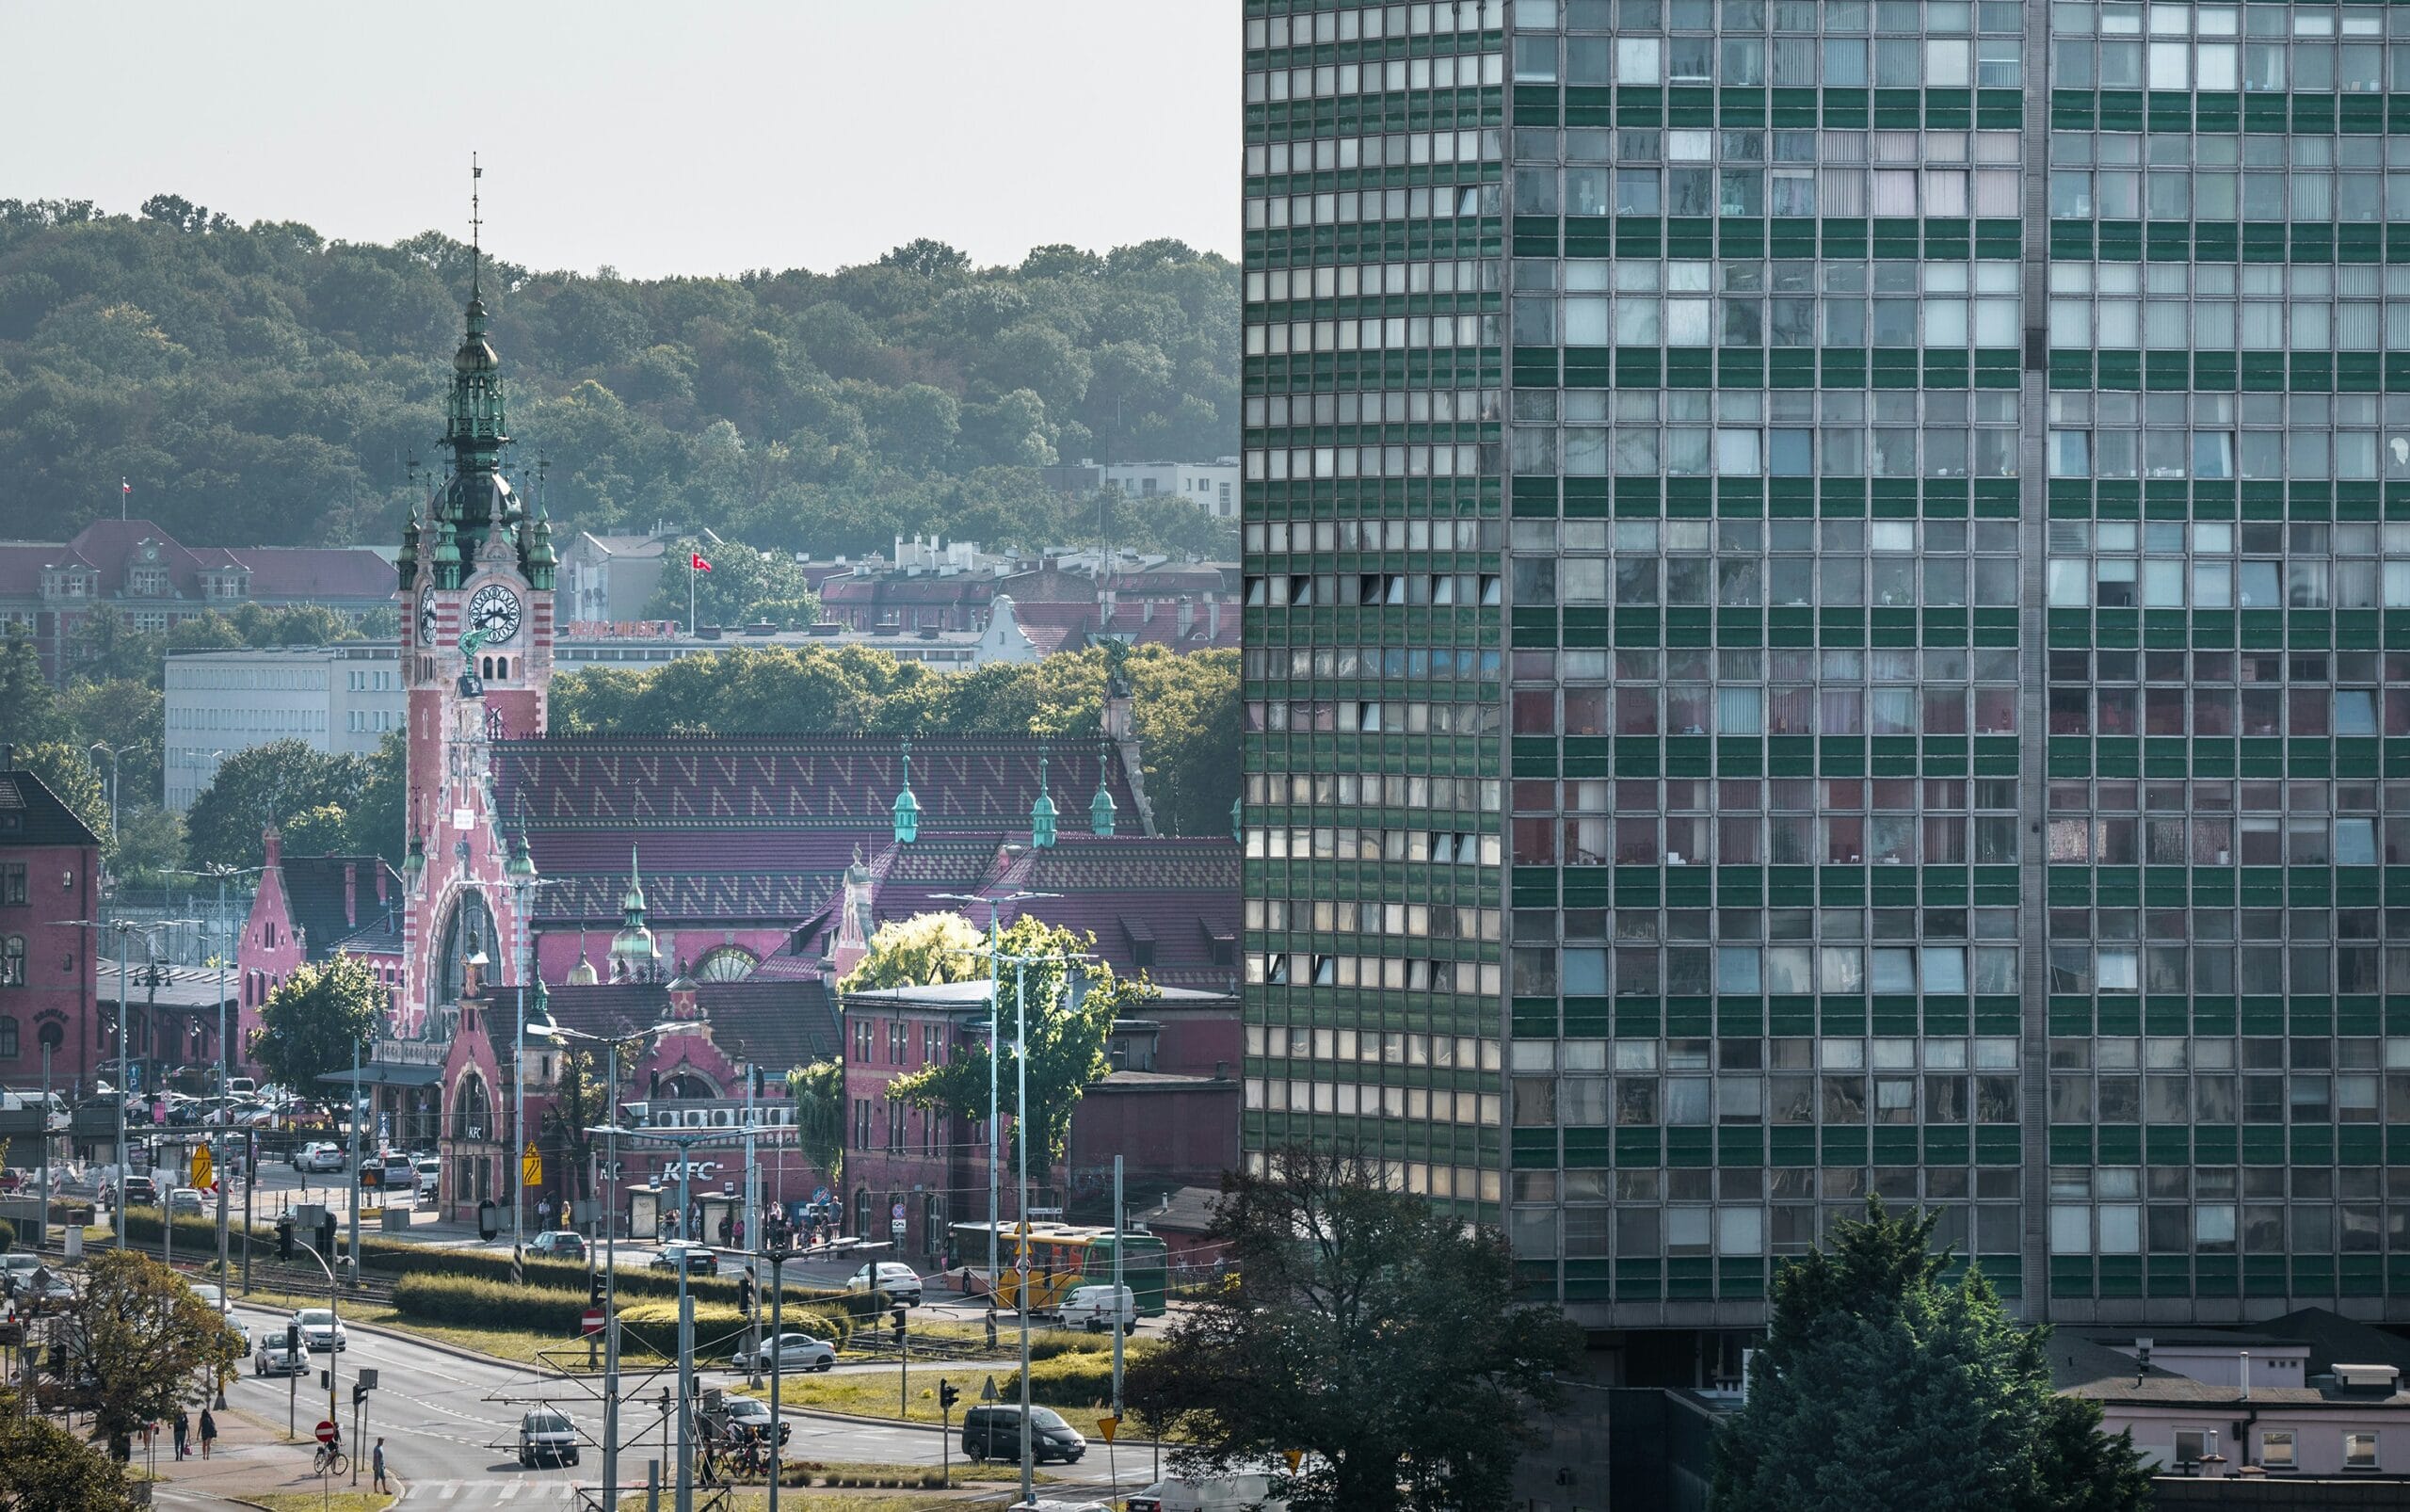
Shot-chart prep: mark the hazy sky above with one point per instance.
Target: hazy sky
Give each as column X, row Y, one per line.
column 704, row 137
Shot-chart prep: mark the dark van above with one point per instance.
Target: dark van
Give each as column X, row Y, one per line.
column 994, row 1433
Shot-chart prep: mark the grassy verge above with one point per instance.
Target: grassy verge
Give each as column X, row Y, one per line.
column 874, row 1396
column 315, row 1501
column 518, row 1346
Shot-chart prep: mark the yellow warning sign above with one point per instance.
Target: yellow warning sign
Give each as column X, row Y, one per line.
column 1293, row 1456
column 1108, row 1426
column 531, row 1166
column 200, row 1170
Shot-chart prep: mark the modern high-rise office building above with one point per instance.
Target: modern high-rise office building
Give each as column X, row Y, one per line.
column 1820, row 575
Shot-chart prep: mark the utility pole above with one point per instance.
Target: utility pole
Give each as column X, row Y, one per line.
column 995, row 1010
column 356, row 1157
column 218, row 1142
column 44, row 1237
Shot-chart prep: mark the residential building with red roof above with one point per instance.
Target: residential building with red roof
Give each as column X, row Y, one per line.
column 51, row 588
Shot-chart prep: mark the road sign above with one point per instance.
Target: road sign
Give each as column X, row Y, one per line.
column 591, row 1320
column 895, row 1226
column 988, row 1392
column 326, row 1430
column 201, row 1175
column 820, row 1194
column 531, row 1166
column 1108, row 1426
column 896, row 1212
column 1293, row 1456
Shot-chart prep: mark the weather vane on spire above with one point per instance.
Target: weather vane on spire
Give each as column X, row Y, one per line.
column 475, row 223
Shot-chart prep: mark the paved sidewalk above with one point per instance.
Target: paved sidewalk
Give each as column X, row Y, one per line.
column 252, row 1456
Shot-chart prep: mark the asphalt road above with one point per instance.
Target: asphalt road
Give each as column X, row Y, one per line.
column 450, row 1424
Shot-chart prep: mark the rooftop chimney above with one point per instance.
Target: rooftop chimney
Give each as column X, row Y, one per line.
column 351, row 894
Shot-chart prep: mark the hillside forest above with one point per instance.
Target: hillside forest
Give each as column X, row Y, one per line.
column 263, row 385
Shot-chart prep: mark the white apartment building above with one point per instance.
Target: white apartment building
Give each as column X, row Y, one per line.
column 1212, row 487
column 341, row 699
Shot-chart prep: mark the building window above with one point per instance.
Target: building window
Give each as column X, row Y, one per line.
column 12, row 962
column 2277, row 1449
column 2359, row 1451
column 2194, row 1444
column 7, row 1038
column 13, row 883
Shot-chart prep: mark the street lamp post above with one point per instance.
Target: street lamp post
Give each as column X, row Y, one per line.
column 125, row 929
column 111, row 750
column 995, row 902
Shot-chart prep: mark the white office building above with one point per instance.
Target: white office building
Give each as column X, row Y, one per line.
column 341, row 699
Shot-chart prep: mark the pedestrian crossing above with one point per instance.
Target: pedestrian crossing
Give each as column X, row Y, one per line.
column 527, row 1488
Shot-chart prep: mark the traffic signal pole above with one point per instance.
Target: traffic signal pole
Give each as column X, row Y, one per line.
column 778, row 1361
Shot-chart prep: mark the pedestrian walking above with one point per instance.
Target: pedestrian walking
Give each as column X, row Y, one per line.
column 184, row 1433
column 208, row 1432
column 379, row 1461
column 738, row 1233
column 543, row 1213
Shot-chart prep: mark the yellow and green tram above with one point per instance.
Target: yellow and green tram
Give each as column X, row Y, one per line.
column 1062, row 1256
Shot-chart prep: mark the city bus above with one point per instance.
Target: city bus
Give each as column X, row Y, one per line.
column 1063, row 1256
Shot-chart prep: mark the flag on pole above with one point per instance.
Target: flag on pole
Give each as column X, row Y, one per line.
column 695, row 560
column 518, row 1268
column 124, row 487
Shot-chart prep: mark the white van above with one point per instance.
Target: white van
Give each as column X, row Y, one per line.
column 1098, row 1307
column 1231, row 1493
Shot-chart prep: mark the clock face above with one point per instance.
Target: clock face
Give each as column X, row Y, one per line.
column 494, row 610
column 426, row 625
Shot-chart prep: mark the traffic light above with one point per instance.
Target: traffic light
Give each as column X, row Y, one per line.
column 58, row 1361
column 293, row 1340
column 947, row 1396
column 745, row 1292
column 594, row 1290
column 898, row 1323
column 284, row 1238
column 359, row 1392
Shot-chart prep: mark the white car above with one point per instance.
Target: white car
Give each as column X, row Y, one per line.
column 320, row 1156
column 184, row 1201
column 16, row 1267
column 1228, row 1494
column 270, row 1357
column 898, row 1281
column 1097, row 1308
column 321, row 1331
column 790, row 1351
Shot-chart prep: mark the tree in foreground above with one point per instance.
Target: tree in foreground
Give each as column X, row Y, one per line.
column 308, row 1025
column 43, row 1467
column 259, row 789
column 1881, row 1385
column 819, row 1091
column 139, row 1336
column 1377, row 1335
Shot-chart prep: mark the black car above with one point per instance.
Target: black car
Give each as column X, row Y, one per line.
column 695, row 1257
column 994, row 1433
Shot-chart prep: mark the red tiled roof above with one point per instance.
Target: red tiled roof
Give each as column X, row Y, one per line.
column 277, row 571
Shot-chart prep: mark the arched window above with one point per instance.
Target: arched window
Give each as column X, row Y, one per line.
column 689, row 1082
column 472, row 1110
column 469, row 931
column 12, row 962
column 729, row 963
column 7, row 1038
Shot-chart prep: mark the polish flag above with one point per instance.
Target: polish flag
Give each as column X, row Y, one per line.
column 695, row 560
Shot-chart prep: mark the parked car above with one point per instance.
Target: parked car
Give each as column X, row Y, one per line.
column 898, row 1281
column 546, row 1436
column 430, row 1170
column 47, row 1288
column 319, row 1156
column 994, row 1433
column 1100, row 1307
column 16, row 1266
column 695, row 1257
column 558, row 1244
column 1230, row 1493
column 321, row 1330
column 269, row 1356
column 391, row 1174
column 184, row 1201
column 790, row 1351
column 753, row 1413
column 141, row 1191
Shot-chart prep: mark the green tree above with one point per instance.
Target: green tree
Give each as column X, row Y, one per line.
column 1365, row 1328
column 309, row 1026
column 43, row 1467
column 28, row 706
column 321, row 829
column 150, row 844
column 67, row 771
column 295, row 625
column 1881, row 1384
column 379, row 820
column 1071, row 1006
column 106, row 647
column 127, row 715
column 819, row 1091
column 259, row 789
column 140, row 1335
column 580, row 1101
column 924, row 949
column 206, row 631
column 742, row 585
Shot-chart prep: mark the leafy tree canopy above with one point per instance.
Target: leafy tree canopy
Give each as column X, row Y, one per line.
column 256, row 381
column 920, row 951
column 43, row 1467
column 263, row 787
column 1071, row 1006
column 139, row 1335
column 742, row 586
column 1366, row 1329
column 819, row 1091
column 308, row 1025
column 1881, row 1384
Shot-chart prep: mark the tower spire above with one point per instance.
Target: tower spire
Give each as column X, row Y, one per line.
column 476, row 225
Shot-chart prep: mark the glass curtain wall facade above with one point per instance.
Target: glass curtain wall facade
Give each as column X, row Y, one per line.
column 1818, row 602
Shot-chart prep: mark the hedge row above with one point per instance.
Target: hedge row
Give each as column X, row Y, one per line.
column 494, row 1266
column 474, row 1302
column 1080, row 1378
column 7, row 1235
column 194, row 1236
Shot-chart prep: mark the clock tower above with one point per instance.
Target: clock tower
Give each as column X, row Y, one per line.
column 476, row 570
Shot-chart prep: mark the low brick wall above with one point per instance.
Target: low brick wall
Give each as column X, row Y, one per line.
column 2258, row 1491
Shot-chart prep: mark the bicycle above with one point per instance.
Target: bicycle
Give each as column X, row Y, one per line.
column 329, row 1460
